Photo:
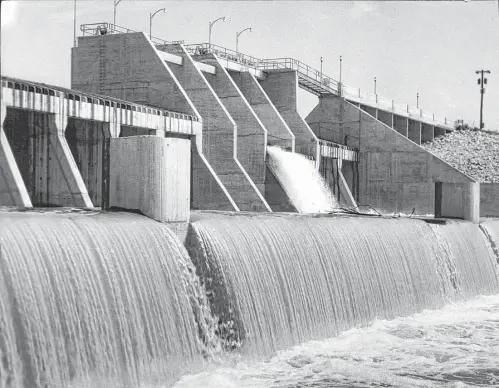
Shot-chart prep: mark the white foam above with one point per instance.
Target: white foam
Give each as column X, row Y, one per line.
column 302, row 182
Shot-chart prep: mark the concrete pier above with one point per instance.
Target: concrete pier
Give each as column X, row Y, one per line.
column 395, row 174
column 152, row 175
column 251, row 135
column 44, row 159
column 458, row 200
column 281, row 87
column 219, row 134
column 12, row 188
column 278, row 132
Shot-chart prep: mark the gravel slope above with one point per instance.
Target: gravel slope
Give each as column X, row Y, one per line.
column 476, row 153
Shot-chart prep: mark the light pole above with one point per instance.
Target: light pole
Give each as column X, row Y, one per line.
column 74, row 24
column 237, row 40
column 340, row 84
column 116, row 2
column 417, row 100
column 321, row 69
column 375, row 85
column 482, row 81
column 211, row 26
column 151, row 15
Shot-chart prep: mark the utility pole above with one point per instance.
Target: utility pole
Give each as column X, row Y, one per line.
column 340, row 84
column 417, row 100
column 481, row 82
column 211, row 26
column 116, row 2
column 375, row 85
column 321, row 69
column 237, row 40
column 74, row 24
column 151, row 15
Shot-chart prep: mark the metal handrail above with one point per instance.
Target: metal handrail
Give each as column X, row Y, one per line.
column 104, row 28
column 314, row 76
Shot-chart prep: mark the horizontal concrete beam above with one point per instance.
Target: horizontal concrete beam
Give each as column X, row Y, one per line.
column 146, row 118
column 205, row 68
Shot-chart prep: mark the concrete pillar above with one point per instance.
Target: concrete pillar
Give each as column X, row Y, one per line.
column 45, row 161
column 427, row 132
column 89, row 144
column 12, row 188
column 281, row 86
column 331, row 121
column 278, row 132
column 401, row 125
column 370, row 110
column 439, row 131
column 458, row 200
column 385, row 117
column 415, row 131
column 275, row 195
column 251, row 134
column 489, row 199
column 219, row 144
column 151, row 174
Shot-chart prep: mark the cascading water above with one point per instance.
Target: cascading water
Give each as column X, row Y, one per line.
column 301, row 181
column 280, row 280
column 96, row 301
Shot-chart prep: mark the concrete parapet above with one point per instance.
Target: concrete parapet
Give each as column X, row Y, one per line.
column 458, row 200
column 415, row 131
column 278, row 132
column 401, row 125
column 12, row 188
column 44, row 159
column 489, row 200
column 219, row 139
column 427, row 132
column 152, row 175
column 395, row 174
column 251, row 135
column 281, row 87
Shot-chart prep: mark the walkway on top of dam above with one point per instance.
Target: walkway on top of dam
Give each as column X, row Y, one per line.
column 310, row 79
column 23, row 94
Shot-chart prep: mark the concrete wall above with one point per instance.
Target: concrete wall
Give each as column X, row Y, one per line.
column 88, row 145
column 458, row 200
column 45, row 161
column 12, row 188
column 395, row 174
column 278, row 132
column 489, row 199
column 281, row 87
column 151, row 174
column 401, row 125
column 275, row 195
column 415, row 131
column 126, row 66
column 251, row 135
column 427, row 132
column 219, row 138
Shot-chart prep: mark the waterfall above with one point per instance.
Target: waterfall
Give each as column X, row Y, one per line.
column 96, row 301
column 278, row 280
column 301, row 181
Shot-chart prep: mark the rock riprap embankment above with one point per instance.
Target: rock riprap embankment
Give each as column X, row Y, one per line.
column 474, row 152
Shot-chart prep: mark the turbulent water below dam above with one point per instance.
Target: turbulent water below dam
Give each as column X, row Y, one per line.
column 116, row 300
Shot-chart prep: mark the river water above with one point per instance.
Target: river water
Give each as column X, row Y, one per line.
column 455, row 346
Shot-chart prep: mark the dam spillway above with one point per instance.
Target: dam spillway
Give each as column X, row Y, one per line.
column 113, row 298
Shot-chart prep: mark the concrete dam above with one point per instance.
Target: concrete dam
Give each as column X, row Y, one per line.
column 171, row 220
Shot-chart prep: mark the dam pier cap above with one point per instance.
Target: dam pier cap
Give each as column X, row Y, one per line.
column 214, row 111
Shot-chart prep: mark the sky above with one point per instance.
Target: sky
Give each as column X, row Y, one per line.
column 428, row 47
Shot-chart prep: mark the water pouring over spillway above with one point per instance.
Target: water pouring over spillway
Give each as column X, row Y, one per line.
column 102, row 300
column 302, row 182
